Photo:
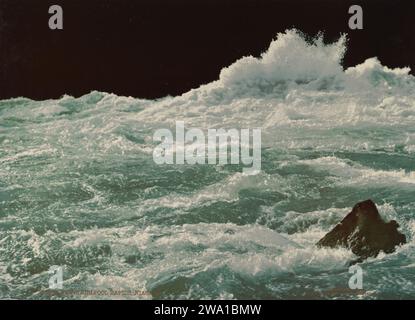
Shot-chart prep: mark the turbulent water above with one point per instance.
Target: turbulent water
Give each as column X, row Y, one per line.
column 79, row 187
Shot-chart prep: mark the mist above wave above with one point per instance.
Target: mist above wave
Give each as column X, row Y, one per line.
column 289, row 57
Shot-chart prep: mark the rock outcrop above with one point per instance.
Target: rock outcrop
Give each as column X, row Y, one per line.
column 364, row 232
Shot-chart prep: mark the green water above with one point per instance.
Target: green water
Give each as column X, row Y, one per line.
column 79, row 189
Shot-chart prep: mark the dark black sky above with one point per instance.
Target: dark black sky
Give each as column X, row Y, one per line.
column 151, row 48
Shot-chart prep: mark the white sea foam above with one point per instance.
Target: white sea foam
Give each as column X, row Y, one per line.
column 355, row 174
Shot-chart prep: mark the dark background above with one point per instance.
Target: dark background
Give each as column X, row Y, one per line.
column 152, row 48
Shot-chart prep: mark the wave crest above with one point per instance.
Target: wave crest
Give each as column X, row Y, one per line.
column 289, row 57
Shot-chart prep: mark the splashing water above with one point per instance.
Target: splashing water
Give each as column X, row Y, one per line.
column 79, row 188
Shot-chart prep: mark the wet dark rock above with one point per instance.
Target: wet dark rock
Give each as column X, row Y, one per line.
column 364, row 232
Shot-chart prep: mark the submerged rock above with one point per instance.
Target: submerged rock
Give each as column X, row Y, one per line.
column 364, row 232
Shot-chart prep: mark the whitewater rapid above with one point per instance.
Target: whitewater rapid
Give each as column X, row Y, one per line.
column 79, row 187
